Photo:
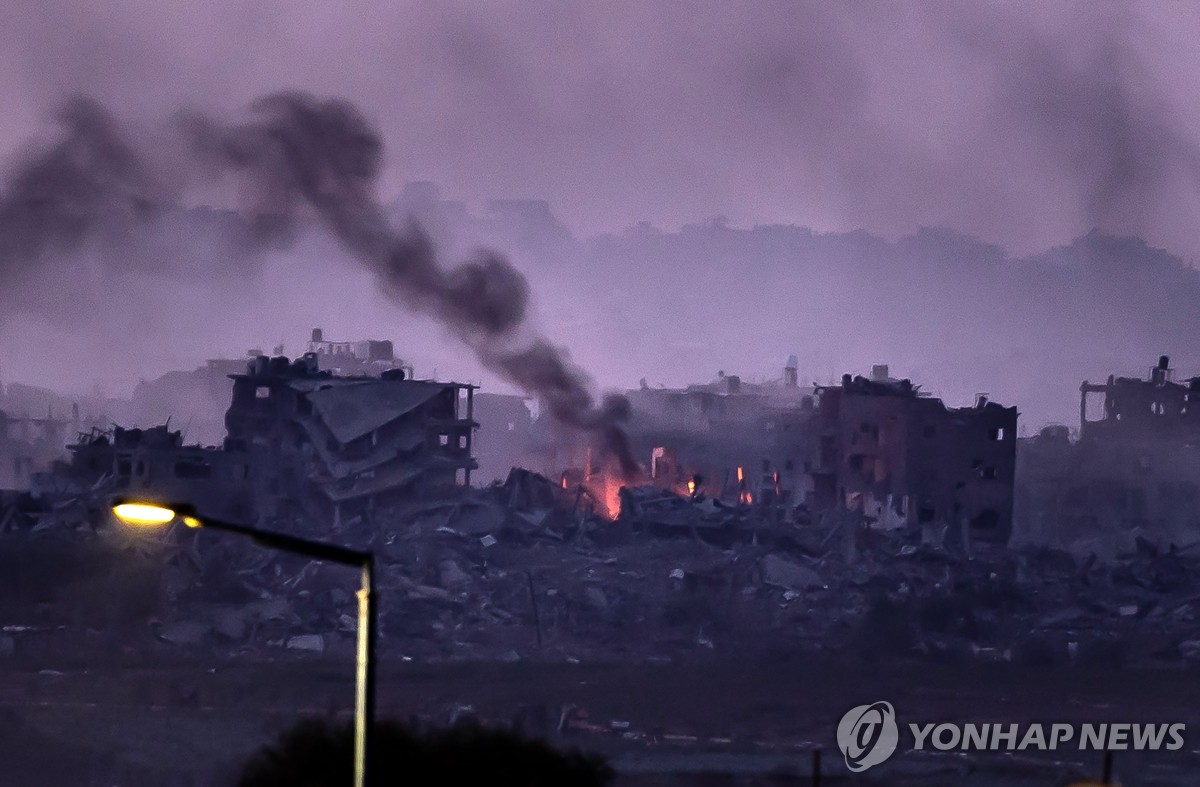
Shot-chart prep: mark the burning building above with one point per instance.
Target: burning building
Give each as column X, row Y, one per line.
column 727, row 438
column 905, row 459
column 1134, row 470
column 877, row 447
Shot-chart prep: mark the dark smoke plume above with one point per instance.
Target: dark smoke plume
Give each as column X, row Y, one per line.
column 298, row 155
column 301, row 151
column 92, row 182
column 96, row 193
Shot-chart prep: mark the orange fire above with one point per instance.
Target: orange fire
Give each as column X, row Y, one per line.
column 605, row 487
column 744, row 495
column 692, row 486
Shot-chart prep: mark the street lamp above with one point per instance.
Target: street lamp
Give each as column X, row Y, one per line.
column 148, row 513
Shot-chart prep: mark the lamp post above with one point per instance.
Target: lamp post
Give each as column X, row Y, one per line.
column 145, row 513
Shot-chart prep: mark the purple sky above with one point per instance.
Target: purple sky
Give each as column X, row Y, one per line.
column 1024, row 124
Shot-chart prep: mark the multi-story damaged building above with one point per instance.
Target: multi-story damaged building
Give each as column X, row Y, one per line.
column 155, row 462
column 301, row 443
column 367, row 357
column 29, row 445
column 504, row 438
column 905, row 459
column 877, row 447
column 729, row 437
column 343, row 444
column 1156, row 409
column 1134, row 470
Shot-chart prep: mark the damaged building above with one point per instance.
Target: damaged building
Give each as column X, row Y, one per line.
column 342, row 444
column 1134, row 469
column 727, row 438
column 370, row 357
column 504, row 437
column 155, row 462
column 301, row 444
column 905, row 459
column 877, row 447
column 29, row 446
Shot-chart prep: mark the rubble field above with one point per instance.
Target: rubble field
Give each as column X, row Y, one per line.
column 685, row 626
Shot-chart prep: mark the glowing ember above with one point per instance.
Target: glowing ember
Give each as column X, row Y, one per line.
column 692, row 487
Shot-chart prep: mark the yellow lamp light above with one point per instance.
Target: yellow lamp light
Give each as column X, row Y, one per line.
column 143, row 514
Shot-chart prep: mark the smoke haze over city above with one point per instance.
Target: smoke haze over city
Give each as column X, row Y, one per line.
column 855, row 184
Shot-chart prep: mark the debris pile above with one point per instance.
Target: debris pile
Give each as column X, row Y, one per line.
column 527, row 569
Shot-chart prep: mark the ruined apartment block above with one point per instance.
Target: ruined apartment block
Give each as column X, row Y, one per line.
column 729, row 438
column 905, row 459
column 302, row 444
column 370, row 357
column 343, row 444
column 1135, row 469
column 29, row 446
column 155, row 463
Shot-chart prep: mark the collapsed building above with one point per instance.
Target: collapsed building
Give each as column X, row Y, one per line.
column 353, row 440
column 155, row 462
column 301, row 444
column 1134, row 469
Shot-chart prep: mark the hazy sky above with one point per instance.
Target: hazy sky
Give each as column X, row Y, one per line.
column 1024, row 124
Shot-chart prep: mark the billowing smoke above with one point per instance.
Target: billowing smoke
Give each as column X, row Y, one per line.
column 301, row 152
column 92, row 183
column 298, row 155
column 98, row 203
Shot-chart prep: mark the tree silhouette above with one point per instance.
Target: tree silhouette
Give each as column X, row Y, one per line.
column 317, row 753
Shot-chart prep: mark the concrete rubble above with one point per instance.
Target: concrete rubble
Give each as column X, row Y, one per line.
column 528, row 570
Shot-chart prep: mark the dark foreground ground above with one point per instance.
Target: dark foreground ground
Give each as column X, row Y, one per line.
column 724, row 721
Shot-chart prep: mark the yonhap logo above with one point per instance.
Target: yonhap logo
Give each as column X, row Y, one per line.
column 867, row 735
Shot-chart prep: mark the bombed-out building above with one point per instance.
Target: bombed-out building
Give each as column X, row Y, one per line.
column 905, row 459
column 155, row 463
column 1134, row 470
column 878, row 447
column 301, row 443
column 730, row 437
column 504, row 438
column 343, row 444
column 28, row 446
column 369, row 357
